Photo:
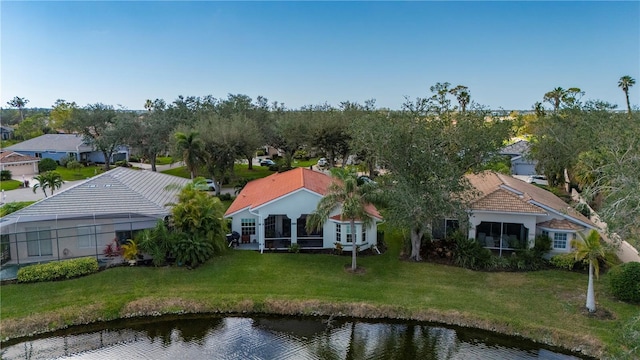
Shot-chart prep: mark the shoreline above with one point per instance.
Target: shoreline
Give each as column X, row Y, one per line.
column 40, row 324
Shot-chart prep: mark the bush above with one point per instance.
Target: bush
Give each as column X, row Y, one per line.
column 224, row 197
column 122, row 163
column 564, row 261
column 192, row 252
column 65, row 160
column 583, row 209
column 471, row 255
column 47, row 165
column 624, row 282
column 5, row 175
column 542, row 244
column 58, row 270
column 294, row 248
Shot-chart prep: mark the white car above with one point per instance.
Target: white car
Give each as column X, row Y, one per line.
column 209, row 185
column 537, row 179
column 322, row 162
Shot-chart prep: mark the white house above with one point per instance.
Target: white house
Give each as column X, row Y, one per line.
column 82, row 220
column 271, row 213
column 508, row 213
column 521, row 164
column 18, row 164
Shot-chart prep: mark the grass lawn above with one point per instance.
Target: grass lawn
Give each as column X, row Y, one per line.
column 10, row 184
column 544, row 305
column 81, row 174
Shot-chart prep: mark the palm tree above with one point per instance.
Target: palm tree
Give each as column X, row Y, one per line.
column 462, row 95
column 191, row 149
column 590, row 249
column 19, row 103
column 49, row 179
column 625, row 83
column 554, row 97
column 148, row 105
column 352, row 199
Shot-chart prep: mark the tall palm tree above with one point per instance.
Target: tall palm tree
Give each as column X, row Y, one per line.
column 19, row 103
column 625, row 83
column 554, row 97
column 352, row 199
column 461, row 93
column 49, row 179
column 191, row 149
column 590, row 249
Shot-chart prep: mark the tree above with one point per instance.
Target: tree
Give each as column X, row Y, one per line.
column 291, row 132
column 461, row 93
column 330, row 133
column 62, row 114
column 590, row 249
column 427, row 148
column 31, row 127
column 20, row 103
column 148, row 104
column 191, row 150
column 352, row 199
column 104, row 128
column 50, row 179
column 152, row 132
column 625, row 83
column 554, row 97
column 200, row 229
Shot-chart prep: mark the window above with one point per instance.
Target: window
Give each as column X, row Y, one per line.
column 124, row 236
column 39, row 242
column 364, row 233
column 349, row 237
column 248, row 226
column 87, row 236
column 338, row 233
column 559, row 240
column 545, row 233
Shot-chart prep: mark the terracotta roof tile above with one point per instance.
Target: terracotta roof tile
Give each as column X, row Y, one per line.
column 563, row 224
column 488, row 182
column 261, row 191
column 506, row 201
column 7, row 157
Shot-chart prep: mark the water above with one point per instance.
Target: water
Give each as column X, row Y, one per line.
column 273, row 338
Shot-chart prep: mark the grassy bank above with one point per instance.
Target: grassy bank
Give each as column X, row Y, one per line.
column 545, row 306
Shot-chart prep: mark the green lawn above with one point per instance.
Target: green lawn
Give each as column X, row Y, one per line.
column 81, row 174
column 10, row 184
column 544, row 305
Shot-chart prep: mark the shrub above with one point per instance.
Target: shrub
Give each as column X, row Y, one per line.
column 192, row 252
column 224, row 197
column 528, row 259
column 542, row 244
column 583, row 209
column 122, row 163
column 58, row 270
column 471, row 255
column 564, row 261
column 624, row 282
column 294, row 248
column 47, row 165
column 130, row 250
column 5, row 175
column 65, row 160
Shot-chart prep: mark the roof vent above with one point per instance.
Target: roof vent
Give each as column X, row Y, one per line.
column 91, row 185
column 107, row 185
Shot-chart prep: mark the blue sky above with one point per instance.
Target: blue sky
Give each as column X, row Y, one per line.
column 299, row 53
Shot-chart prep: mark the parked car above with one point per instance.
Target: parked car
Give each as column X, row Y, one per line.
column 365, row 179
column 322, row 162
column 267, row 162
column 537, row 179
column 209, row 185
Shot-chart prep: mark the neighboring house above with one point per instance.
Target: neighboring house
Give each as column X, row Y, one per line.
column 59, row 146
column 18, row 164
column 82, row 220
column 521, row 164
column 271, row 213
column 6, row 132
column 508, row 213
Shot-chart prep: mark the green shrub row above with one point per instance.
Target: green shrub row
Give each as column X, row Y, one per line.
column 58, row 270
column 5, row 175
column 564, row 261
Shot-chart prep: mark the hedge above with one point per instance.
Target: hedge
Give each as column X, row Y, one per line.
column 58, row 270
column 624, row 282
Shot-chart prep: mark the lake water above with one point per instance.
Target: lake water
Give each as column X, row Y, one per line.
column 273, row 338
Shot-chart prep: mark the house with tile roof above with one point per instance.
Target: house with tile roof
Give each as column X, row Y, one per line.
column 59, row 146
column 18, row 164
column 507, row 213
column 83, row 219
column 271, row 213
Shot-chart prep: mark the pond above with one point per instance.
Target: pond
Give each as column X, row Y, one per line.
column 210, row 337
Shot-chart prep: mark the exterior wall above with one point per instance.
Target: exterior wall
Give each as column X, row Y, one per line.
column 294, row 206
column 529, row 221
column 330, row 236
column 520, row 166
column 72, row 238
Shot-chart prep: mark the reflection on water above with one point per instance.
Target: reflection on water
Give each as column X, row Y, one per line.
column 275, row 338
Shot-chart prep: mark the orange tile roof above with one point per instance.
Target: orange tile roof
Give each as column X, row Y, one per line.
column 261, row 191
column 563, row 224
column 12, row 156
column 487, row 182
column 503, row 200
